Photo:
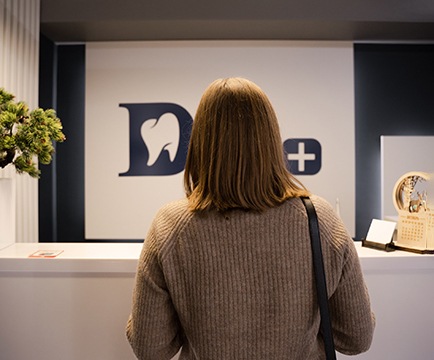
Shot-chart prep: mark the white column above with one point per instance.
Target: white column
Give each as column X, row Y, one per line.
column 19, row 70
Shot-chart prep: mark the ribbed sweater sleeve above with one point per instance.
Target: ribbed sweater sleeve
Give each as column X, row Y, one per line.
column 153, row 327
column 239, row 285
column 352, row 319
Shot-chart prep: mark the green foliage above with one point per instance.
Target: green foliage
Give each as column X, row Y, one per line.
column 26, row 135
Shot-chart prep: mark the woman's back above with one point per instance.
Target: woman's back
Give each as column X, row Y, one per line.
column 241, row 284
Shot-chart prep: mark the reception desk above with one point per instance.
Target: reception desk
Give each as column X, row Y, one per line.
column 76, row 304
column 71, row 307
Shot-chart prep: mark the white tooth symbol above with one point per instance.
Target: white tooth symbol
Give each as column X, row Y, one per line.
column 161, row 134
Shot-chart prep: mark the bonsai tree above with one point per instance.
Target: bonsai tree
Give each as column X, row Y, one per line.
column 26, row 135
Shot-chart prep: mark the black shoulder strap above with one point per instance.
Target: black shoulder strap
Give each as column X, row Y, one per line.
column 320, row 279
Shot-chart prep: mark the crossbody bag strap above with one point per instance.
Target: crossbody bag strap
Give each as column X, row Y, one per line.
column 320, row 278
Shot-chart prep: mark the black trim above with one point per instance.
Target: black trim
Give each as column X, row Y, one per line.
column 403, row 248
column 377, row 246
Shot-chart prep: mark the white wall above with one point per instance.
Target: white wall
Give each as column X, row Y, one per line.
column 19, row 70
column 310, row 85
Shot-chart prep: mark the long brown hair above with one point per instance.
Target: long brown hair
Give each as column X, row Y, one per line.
column 235, row 158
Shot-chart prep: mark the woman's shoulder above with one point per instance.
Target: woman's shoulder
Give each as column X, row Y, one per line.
column 322, row 206
column 168, row 221
column 331, row 225
column 174, row 207
column 172, row 212
column 324, row 209
column 321, row 203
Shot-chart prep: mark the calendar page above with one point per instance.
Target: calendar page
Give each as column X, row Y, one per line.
column 412, row 230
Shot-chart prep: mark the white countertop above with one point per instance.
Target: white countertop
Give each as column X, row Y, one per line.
column 75, row 257
column 122, row 258
column 372, row 259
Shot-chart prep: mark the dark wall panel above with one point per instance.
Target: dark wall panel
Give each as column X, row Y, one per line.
column 46, row 184
column 70, row 166
column 66, row 196
column 394, row 95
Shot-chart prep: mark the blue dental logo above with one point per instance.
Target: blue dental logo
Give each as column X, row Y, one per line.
column 159, row 136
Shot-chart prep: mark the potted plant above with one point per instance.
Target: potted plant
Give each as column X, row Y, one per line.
column 26, row 135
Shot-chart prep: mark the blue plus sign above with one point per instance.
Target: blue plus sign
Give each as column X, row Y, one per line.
column 304, row 156
column 301, row 157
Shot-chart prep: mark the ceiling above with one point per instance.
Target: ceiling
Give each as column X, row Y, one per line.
column 120, row 20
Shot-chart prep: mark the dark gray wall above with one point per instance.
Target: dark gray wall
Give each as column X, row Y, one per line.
column 394, row 95
column 61, row 187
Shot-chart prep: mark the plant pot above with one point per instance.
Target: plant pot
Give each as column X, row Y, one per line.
column 7, row 212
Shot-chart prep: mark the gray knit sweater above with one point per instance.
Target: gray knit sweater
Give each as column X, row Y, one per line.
column 239, row 286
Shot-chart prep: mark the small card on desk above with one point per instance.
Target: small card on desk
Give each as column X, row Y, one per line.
column 380, row 235
column 46, row 254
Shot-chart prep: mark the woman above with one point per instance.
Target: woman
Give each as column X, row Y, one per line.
column 227, row 272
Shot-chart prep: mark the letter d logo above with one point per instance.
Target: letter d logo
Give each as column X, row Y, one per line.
column 159, row 136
